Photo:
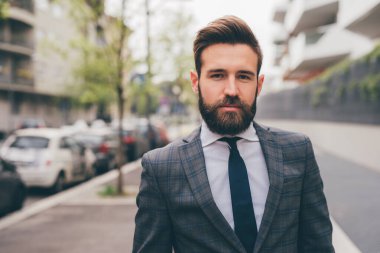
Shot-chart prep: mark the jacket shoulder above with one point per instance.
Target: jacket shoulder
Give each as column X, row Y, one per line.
column 286, row 137
column 163, row 154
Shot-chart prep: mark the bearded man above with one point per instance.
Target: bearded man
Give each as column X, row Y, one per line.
column 232, row 185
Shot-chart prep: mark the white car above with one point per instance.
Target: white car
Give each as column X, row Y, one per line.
column 48, row 157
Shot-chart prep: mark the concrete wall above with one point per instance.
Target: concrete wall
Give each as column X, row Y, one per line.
column 54, row 57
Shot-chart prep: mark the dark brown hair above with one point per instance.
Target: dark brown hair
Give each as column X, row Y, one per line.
column 229, row 30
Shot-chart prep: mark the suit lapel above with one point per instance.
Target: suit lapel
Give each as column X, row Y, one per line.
column 273, row 158
column 193, row 162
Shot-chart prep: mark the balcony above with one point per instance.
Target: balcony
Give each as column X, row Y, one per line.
column 16, row 71
column 280, row 11
column 312, row 52
column 366, row 19
column 8, row 47
column 23, row 11
column 17, row 84
column 304, row 15
column 27, row 5
column 16, row 37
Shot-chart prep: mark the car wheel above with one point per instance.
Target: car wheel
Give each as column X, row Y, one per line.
column 59, row 183
column 20, row 198
column 90, row 173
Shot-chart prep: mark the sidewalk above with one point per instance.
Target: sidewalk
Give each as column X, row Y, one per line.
column 78, row 220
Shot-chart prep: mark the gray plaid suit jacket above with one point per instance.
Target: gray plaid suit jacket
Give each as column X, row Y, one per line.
column 176, row 209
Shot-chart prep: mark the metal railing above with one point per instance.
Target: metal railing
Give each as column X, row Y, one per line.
column 21, row 40
column 16, row 80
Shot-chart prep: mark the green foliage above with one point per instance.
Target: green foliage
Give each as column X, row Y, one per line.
column 96, row 75
column 370, row 88
column 4, row 6
column 176, row 42
column 143, row 98
column 373, row 55
column 108, row 191
column 96, row 71
column 341, row 67
column 319, row 95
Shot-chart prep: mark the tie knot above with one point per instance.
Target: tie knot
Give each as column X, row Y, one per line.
column 231, row 141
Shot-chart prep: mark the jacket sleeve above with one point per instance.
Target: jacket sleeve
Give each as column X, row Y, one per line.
column 315, row 229
column 153, row 232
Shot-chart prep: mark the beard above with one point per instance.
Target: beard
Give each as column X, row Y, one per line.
column 227, row 123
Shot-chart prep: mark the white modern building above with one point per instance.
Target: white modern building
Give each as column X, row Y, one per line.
column 321, row 33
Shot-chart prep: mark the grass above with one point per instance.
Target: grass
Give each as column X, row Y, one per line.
column 111, row 191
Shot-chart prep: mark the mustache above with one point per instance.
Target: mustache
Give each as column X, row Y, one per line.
column 229, row 100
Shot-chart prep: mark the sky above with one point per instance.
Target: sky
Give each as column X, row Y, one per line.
column 258, row 15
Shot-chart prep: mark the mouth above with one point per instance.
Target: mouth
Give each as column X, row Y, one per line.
column 230, row 107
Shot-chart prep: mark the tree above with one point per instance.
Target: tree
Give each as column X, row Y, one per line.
column 175, row 41
column 4, row 5
column 104, row 60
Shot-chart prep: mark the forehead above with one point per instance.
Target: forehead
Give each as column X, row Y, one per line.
column 229, row 56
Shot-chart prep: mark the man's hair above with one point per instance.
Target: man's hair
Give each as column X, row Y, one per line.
column 228, row 30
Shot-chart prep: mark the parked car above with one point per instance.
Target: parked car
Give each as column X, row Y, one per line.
column 161, row 135
column 135, row 143
column 104, row 144
column 47, row 157
column 12, row 189
column 140, row 136
column 32, row 123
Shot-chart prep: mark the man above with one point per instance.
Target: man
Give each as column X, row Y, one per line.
column 232, row 185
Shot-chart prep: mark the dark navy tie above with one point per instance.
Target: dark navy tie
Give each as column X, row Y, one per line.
column 242, row 207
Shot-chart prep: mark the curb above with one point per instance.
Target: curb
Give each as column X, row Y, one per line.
column 59, row 198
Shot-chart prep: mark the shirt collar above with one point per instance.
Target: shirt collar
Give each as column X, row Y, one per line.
column 208, row 137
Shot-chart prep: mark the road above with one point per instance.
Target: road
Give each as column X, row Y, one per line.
column 353, row 195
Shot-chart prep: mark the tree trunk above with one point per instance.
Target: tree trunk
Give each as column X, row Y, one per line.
column 120, row 98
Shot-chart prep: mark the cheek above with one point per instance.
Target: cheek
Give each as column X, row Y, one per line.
column 211, row 94
column 248, row 95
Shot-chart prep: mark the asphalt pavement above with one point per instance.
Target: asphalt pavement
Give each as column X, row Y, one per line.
column 353, row 195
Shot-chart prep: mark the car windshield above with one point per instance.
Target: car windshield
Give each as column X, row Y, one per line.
column 89, row 139
column 31, row 142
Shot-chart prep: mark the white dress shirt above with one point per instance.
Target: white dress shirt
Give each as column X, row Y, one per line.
column 216, row 155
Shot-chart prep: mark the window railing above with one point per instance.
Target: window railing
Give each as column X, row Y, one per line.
column 21, row 40
column 16, row 80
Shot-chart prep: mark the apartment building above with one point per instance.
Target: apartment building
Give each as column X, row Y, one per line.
column 34, row 74
column 316, row 34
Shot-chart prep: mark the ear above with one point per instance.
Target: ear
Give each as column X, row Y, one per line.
column 260, row 84
column 194, row 81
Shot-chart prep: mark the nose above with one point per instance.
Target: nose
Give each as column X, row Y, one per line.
column 231, row 88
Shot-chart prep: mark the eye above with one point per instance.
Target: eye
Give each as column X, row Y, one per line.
column 244, row 77
column 216, row 76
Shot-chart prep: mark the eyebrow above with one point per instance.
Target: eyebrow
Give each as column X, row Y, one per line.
column 247, row 72
column 216, row 70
